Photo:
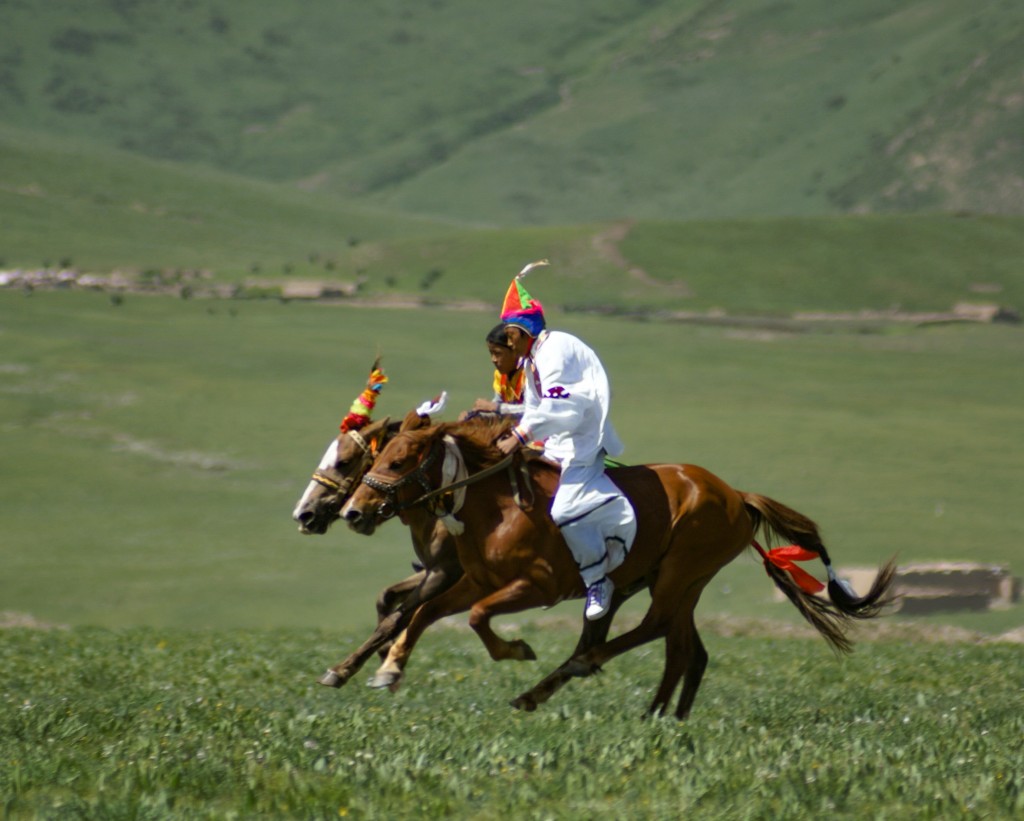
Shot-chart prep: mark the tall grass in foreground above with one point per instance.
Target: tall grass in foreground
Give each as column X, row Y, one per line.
column 163, row 724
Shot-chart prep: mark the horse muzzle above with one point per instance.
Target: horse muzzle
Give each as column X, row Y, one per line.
column 315, row 519
column 359, row 521
column 310, row 524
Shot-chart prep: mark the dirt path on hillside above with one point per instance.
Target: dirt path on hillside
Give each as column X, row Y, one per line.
column 606, row 244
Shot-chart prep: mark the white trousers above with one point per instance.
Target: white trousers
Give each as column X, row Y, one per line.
column 595, row 518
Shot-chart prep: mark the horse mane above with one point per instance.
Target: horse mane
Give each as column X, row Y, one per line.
column 476, row 438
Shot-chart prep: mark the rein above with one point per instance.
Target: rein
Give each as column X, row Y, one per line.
column 391, row 487
column 392, row 506
column 469, row 480
column 345, row 485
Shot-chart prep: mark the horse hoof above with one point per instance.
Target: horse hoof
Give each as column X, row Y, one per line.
column 524, row 703
column 522, row 651
column 331, row 679
column 385, row 679
column 578, row 669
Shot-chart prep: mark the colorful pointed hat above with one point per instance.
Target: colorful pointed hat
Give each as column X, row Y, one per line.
column 519, row 308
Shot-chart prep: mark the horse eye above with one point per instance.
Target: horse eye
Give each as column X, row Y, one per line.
column 344, row 463
column 395, row 465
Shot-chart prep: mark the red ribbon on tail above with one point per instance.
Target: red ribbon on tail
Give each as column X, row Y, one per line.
column 783, row 558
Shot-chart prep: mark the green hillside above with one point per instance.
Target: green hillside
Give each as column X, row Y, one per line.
column 547, row 112
column 65, row 203
column 99, row 209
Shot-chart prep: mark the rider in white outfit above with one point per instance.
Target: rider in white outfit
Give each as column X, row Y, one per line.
column 567, row 401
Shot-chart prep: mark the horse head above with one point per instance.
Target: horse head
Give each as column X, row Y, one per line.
column 342, row 467
column 400, row 474
column 346, row 459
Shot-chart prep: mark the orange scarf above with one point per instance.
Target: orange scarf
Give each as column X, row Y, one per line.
column 510, row 388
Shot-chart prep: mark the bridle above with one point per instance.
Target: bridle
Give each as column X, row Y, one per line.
column 392, row 505
column 343, row 486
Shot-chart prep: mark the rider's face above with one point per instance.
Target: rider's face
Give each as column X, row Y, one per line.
column 518, row 341
column 503, row 358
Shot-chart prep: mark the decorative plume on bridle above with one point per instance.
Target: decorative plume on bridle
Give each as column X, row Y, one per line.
column 362, row 409
column 521, row 309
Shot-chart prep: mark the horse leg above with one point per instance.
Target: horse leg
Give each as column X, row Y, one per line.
column 589, row 661
column 666, row 605
column 439, row 559
column 675, row 665
column 650, row 628
column 395, row 608
column 521, row 594
column 694, row 674
column 339, row 674
column 683, row 651
column 594, row 633
column 456, row 599
column 390, row 598
column 439, row 578
column 433, row 583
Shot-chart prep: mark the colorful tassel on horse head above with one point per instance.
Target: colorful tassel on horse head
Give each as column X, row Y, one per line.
column 361, row 410
column 783, row 558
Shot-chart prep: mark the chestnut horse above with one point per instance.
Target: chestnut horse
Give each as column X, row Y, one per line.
column 690, row 525
column 346, row 460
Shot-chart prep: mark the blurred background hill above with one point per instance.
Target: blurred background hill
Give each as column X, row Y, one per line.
column 547, row 113
column 387, row 142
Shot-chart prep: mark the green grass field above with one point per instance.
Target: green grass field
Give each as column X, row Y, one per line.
column 162, row 622
column 164, row 723
column 153, row 451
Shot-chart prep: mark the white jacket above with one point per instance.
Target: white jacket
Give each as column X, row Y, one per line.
column 567, row 401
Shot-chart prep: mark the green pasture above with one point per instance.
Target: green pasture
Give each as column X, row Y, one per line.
column 165, row 723
column 152, row 451
column 773, row 266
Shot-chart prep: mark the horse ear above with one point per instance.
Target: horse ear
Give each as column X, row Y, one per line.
column 376, row 427
column 413, row 421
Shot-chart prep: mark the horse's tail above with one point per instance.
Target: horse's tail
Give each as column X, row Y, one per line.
column 831, row 617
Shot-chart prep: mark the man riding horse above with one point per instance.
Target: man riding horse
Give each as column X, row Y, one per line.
column 567, row 404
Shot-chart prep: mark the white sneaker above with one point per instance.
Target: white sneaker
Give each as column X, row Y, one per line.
column 599, row 597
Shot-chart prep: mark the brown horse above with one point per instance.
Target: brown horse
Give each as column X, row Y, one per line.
column 690, row 525
column 346, row 460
